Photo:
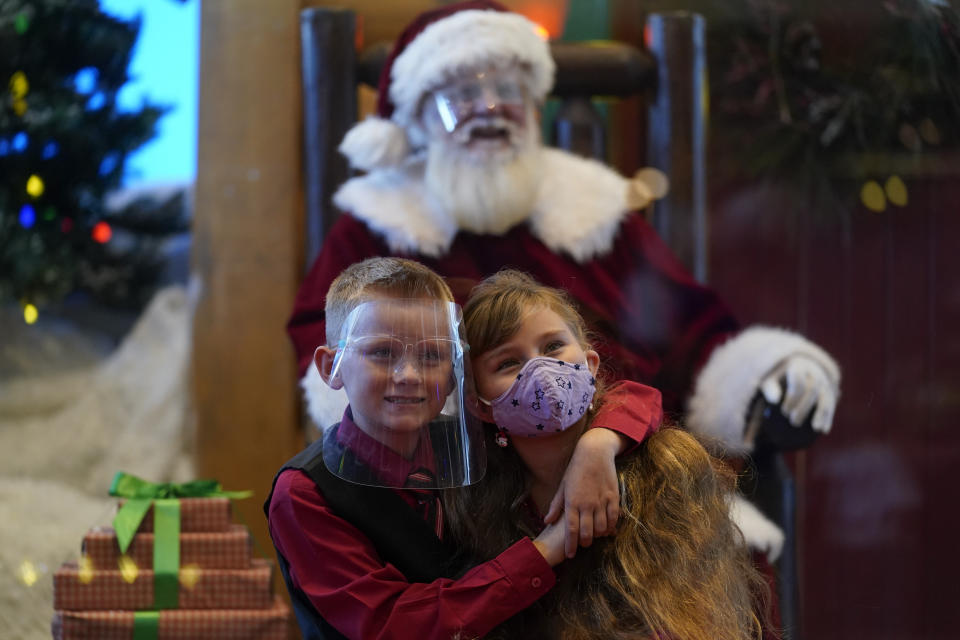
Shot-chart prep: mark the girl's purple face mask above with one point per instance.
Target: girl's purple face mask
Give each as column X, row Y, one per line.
column 547, row 396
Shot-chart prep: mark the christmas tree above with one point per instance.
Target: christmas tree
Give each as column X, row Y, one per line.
column 63, row 146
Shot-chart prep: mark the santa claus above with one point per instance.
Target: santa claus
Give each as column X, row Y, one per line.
column 457, row 178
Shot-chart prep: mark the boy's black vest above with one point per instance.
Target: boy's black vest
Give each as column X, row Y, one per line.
column 400, row 535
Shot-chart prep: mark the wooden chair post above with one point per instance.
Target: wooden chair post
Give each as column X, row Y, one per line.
column 328, row 66
column 677, row 134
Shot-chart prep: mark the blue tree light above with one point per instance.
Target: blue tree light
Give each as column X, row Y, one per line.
column 108, row 164
column 96, row 101
column 4, row 147
column 86, row 80
column 50, row 150
column 28, row 216
column 20, row 141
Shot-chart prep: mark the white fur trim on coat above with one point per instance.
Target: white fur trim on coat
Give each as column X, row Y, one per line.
column 471, row 39
column 718, row 406
column 374, row 143
column 394, row 204
column 578, row 210
column 324, row 405
column 758, row 531
column 579, row 206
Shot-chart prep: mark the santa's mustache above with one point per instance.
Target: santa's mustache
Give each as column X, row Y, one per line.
column 480, row 127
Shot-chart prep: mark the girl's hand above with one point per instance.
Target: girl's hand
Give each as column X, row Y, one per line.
column 550, row 543
column 589, row 493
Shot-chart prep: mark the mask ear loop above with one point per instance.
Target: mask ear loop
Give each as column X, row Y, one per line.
column 501, row 439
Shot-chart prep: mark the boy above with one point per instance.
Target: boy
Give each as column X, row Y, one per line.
column 359, row 540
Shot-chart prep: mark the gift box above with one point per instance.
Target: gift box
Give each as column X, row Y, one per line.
column 196, row 515
column 178, row 624
column 229, row 549
column 75, row 588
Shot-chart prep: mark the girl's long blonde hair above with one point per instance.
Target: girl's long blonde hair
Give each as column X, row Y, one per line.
column 677, row 566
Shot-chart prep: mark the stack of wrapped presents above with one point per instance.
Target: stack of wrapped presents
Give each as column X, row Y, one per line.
column 169, row 568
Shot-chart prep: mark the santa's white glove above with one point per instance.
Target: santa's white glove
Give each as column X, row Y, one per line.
column 808, row 385
column 759, row 532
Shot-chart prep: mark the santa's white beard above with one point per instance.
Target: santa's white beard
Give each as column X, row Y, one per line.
column 489, row 194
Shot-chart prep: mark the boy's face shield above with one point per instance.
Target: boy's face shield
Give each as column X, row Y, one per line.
column 406, row 372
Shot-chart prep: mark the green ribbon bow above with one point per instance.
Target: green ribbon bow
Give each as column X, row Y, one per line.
column 165, row 498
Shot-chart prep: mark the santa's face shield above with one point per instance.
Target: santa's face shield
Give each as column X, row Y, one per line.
column 403, row 365
column 487, row 108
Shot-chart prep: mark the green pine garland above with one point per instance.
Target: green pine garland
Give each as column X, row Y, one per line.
column 813, row 118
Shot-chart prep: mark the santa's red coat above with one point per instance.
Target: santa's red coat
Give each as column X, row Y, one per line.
column 651, row 321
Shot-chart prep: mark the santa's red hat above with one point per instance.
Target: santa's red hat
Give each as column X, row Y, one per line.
column 437, row 46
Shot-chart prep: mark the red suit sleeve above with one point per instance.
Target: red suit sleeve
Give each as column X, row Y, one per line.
column 658, row 324
column 339, row 570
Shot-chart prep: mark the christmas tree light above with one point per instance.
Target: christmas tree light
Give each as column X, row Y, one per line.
column 35, row 186
column 30, row 314
column 28, row 216
column 101, row 232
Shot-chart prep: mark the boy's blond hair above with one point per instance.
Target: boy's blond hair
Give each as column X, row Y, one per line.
column 391, row 277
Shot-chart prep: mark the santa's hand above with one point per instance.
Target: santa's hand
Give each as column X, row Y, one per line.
column 808, row 386
column 759, row 532
column 589, row 493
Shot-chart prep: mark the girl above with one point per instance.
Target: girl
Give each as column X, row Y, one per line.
column 676, row 567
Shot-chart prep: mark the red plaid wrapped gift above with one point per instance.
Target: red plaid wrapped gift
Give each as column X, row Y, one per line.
column 251, row 588
column 228, row 549
column 196, row 514
column 178, row 624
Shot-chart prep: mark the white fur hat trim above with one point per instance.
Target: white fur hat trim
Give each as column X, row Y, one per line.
column 467, row 40
column 374, row 143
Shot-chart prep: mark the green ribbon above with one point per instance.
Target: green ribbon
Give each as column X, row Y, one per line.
column 166, row 553
column 165, row 497
column 146, row 625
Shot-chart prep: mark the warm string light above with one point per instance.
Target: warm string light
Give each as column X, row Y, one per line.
column 27, row 573
column 128, row 569
column 875, row 197
column 85, row 569
column 190, row 575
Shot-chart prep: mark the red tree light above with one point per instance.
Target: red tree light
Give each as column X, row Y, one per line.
column 101, row 232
